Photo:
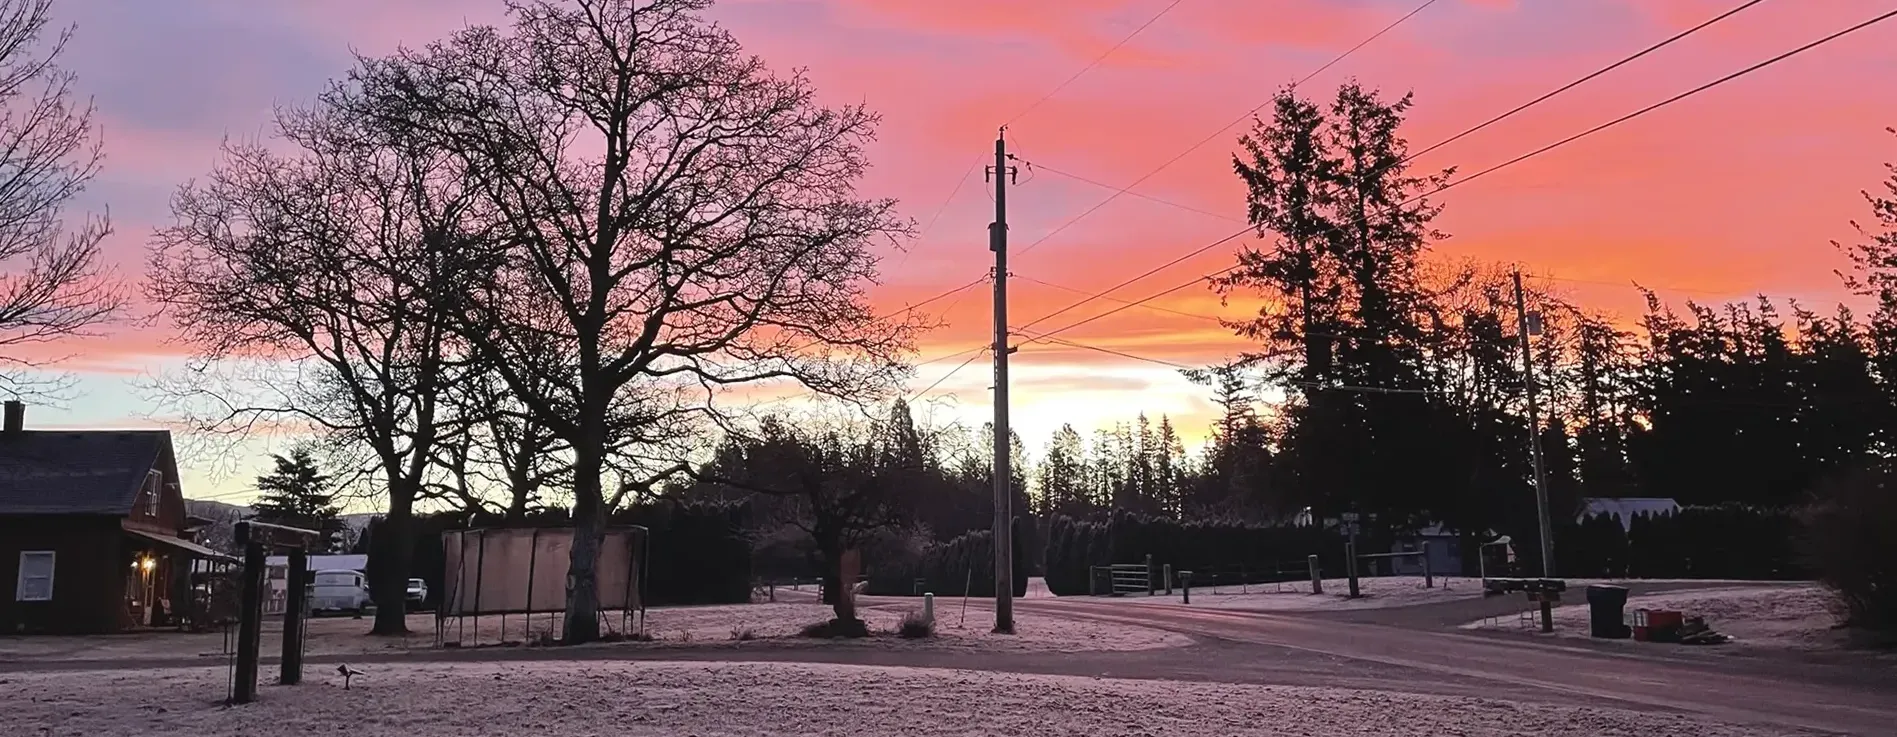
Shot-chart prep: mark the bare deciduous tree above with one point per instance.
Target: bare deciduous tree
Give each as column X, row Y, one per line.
column 675, row 218
column 497, row 457
column 53, row 287
column 317, row 278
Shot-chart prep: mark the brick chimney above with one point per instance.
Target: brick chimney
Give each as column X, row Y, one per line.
column 15, row 418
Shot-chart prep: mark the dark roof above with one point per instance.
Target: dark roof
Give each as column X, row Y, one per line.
column 76, row 472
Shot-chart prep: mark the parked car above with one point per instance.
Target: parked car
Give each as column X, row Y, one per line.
column 340, row 591
column 417, row 593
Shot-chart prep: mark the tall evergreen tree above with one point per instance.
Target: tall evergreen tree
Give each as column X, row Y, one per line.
column 296, row 493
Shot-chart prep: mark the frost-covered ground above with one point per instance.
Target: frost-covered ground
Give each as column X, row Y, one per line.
column 1034, row 631
column 1376, row 593
column 1778, row 616
column 591, row 698
column 670, row 626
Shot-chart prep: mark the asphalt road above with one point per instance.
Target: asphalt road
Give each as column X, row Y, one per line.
column 1857, row 697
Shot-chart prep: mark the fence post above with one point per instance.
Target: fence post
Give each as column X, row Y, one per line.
column 1317, row 575
column 1166, row 575
column 928, row 608
column 250, row 622
column 1185, row 586
column 296, row 581
column 1429, row 581
column 1350, row 565
column 1150, row 589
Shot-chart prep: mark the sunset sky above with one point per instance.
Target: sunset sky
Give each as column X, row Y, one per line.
column 1737, row 191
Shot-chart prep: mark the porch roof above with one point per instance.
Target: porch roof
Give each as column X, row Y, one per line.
column 193, row 549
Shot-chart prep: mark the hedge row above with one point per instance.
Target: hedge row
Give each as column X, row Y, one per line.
column 1222, row 551
column 964, row 564
column 1727, row 541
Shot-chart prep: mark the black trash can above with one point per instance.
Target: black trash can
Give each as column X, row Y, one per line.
column 1605, row 605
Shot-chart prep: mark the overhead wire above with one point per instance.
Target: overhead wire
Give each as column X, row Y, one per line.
column 945, row 377
column 1141, row 195
column 1221, row 131
column 1583, row 80
column 1153, row 307
column 1490, row 170
column 971, row 167
column 1110, row 351
column 1096, row 62
column 1183, row 367
column 1887, row 15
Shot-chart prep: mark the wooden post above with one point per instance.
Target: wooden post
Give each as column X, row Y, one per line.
column 1317, row 575
column 249, row 625
column 295, row 603
column 1429, row 581
column 1150, row 588
column 1350, row 564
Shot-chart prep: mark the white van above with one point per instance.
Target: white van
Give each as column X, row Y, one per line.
column 340, row 591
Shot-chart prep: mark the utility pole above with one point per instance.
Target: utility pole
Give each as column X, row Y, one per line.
column 1004, row 488
column 1526, row 326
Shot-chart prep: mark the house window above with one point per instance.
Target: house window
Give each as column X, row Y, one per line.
column 36, row 576
column 154, row 491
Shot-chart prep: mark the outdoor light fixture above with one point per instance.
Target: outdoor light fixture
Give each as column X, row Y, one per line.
column 146, row 563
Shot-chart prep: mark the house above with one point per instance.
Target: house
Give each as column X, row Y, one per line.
column 93, row 531
column 1445, row 552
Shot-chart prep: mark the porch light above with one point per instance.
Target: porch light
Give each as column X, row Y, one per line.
column 147, row 563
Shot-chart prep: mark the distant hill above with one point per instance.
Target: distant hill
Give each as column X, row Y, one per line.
column 220, row 535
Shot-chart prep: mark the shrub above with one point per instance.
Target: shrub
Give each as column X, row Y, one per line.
column 742, row 634
column 914, row 626
column 1850, row 540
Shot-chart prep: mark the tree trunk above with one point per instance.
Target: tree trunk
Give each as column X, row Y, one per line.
column 582, row 583
column 390, row 554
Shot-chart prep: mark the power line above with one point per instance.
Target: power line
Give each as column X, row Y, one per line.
column 1156, row 308
column 950, row 198
column 1143, row 196
column 1221, row 131
column 1044, row 98
column 1183, row 367
column 1655, row 106
column 1096, row 62
column 936, row 298
column 1576, row 83
column 1147, row 273
column 1109, row 351
column 1451, row 185
column 945, row 377
column 952, row 356
column 1138, row 302
column 1353, row 49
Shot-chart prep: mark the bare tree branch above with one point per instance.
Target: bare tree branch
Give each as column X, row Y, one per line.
column 54, row 287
